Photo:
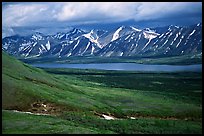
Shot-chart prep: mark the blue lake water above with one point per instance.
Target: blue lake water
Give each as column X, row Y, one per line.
column 125, row 67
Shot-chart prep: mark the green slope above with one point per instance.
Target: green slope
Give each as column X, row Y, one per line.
column 75, row 95
column 23, row 85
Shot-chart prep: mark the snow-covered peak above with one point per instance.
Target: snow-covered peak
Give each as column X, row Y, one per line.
column 150, row 34
column 147, row 29
column 75, row 30
column 37, row 36
column 172, row 27
column 138, row 30
column 99, row 32
column 59, row 35
column 92, row 37
column 92, row 34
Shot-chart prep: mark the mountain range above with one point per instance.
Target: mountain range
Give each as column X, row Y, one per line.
column 122, row 41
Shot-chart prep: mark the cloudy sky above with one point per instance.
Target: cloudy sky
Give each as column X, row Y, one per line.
column 77, row 13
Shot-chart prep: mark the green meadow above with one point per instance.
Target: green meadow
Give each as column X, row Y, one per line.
column 75, row 99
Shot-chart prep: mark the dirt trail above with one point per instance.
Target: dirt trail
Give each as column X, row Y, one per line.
column 41, row 108
column 44, row 108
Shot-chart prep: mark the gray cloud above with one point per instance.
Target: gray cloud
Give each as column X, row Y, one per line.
column 25, row 14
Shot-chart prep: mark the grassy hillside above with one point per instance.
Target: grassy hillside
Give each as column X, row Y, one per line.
column 22, row 84
column 76, row 99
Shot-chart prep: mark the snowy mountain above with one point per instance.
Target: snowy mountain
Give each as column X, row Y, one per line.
column 113, row 35
column 75, row 42
column 169, row 41
column 121, row 41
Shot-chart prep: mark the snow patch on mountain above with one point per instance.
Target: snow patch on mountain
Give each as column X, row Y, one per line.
column 40, row 51
column 48, row 45
column 37, row 37
column 34, row 44
column 150, row 35
column 116, row 34
column 138, row 30
column 198, row 24
column 5, row 46
column 92, row 50
column 127, row 37
column 59, row 35
column 69, row 54
column 192, row 33
column 179, row 41
column 76, row 45
column 28, row 52
column 43, row 48
column 146, row 44
column 23, row 46
column 92, row 39
column 121, row 54
column 108, row 117
column 87, row 46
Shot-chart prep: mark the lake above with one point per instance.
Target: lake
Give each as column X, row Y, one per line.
column 125, row 67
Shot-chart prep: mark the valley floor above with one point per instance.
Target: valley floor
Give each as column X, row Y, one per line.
column 77, row 101
column 96, row 101
column 164, row 60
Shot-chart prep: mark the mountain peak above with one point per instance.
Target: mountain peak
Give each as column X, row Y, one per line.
column 138, row 30
column 173, row 26
column 124, row 39
column 37, row 36
column 76, row 30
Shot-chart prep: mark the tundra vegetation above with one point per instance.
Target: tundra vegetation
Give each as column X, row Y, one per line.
column 77, row 101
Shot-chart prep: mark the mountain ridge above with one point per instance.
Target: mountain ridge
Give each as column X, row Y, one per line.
column 121, row 41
